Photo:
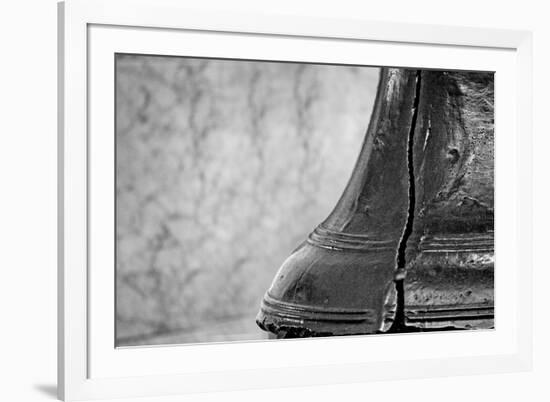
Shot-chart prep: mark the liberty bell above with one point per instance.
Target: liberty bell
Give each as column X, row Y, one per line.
column 409, row 245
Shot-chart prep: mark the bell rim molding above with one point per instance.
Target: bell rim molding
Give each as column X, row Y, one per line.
column 289, row 309
column 333, row 240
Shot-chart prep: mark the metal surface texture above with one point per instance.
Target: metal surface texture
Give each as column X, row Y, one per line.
column 409, row 246
column 341, row 279
column 450, row 254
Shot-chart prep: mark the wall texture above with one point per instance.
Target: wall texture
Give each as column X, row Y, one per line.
column 223, row 167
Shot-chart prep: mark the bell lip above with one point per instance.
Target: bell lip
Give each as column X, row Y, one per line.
column 302, row 311
column 276, row 315
column 473, row 316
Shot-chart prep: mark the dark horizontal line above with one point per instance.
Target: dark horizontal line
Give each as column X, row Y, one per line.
column 449, row 318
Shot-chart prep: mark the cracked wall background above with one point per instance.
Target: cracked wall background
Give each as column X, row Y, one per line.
column 223, row 167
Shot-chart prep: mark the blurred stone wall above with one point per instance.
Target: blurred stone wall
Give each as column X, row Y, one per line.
column 223, row 167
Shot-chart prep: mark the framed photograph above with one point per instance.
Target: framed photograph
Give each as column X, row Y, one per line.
column 253, row 201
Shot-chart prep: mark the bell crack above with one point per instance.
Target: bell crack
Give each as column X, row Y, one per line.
column 399, row 320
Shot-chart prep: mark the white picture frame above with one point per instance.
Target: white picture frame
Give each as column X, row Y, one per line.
column 91, row 31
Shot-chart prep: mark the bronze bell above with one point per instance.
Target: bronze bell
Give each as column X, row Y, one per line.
column 450, row 254
column 341, row 279
column 409, row 246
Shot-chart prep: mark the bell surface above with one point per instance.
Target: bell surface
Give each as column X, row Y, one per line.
column 449, row 276
column 340, row 280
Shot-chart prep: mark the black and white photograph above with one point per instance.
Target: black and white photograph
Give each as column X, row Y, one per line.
column 264, row 200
